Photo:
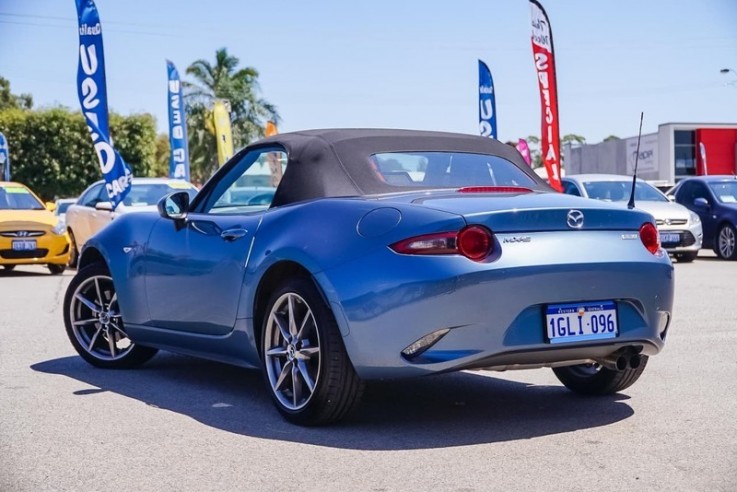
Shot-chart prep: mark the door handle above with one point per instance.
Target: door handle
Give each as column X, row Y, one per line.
column 233, row 234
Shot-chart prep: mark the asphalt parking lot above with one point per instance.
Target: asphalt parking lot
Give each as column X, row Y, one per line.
column 180, row 423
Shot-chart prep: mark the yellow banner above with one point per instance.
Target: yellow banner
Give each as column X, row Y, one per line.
column 223, row 134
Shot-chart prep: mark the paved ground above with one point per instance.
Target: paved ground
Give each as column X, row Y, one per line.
column 184, row 424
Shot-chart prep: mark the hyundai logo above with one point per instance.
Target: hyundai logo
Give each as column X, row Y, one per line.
column 22, row 234
column 574, row 219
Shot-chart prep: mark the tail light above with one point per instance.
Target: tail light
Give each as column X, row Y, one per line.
column 650, row 237
column 494, row 189
column 474, row 242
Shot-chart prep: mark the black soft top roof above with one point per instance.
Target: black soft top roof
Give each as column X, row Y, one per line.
column 335, row 162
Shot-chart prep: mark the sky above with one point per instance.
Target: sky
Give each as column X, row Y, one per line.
column 399, row 64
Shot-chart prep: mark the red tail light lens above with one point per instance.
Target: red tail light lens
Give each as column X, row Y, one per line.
column 473, row 242
column 650, row 237
column 494, row 189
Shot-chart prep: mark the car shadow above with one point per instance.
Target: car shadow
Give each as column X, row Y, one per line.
column 456, row 409
column 22, row 273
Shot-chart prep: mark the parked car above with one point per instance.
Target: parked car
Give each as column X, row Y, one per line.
column 29, row 233
column 680, row 230
column 93, row 209
column 714, row 200
column 462, row 258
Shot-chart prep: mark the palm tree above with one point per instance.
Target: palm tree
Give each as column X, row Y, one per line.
column 249, row 112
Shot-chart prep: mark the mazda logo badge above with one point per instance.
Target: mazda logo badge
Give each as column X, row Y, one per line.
column 574, row 219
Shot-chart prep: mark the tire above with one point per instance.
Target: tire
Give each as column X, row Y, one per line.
column 73, row 251
column 686, row 257
column 306, row 368
column 9, row 268
column 56, row 269
column 98, row 334
column 593, row 379
column 725, row 246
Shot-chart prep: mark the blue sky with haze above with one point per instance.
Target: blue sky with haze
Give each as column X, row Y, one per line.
column 399, row 64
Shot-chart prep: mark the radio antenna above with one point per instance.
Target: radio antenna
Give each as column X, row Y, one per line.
column 631, row 203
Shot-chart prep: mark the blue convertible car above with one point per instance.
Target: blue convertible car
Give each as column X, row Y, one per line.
column 376, row 254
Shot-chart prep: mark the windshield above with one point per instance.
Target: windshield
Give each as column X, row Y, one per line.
column 142, row 195
column 726, row 191
column 619, row 191
column 18, row 198
column 62, row 207
column 448, row 170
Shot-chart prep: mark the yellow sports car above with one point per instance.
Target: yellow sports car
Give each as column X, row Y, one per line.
column 29, row 233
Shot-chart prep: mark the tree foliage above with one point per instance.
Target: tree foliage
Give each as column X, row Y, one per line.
column 51, row 150
column 8, row 100
column 249, row 112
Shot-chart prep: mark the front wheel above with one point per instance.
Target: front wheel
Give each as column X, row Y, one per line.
column 94, row 324
column 594, row 379
column 56, row 269
column 73, row 251
column 725, row 247
column 9, row 268
column 307, row 370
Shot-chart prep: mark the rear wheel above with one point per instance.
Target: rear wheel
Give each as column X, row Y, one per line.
column 594, row 379
column 307, row 370
column 56, row 269
column 687, row 257
column 9, row 268
column 94, row 324
column 725, row 247
column 73, row 251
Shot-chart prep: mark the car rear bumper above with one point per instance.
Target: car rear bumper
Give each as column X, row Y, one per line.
column 494, row 313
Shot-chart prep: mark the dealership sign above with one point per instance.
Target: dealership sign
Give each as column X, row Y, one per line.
column 647, row 160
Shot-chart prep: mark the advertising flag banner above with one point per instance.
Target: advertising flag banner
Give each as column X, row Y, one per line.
column 542, row 51
column 179, row 158
column 487, row 102
column 223, row 134
column 270, row 129
column 524, row 149
column 4, row 158
column 702, row 151
column 92, row 93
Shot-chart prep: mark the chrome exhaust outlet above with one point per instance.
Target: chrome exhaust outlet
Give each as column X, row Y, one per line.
column 616, row 361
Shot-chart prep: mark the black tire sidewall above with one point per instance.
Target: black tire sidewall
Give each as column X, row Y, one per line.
column 718, row 250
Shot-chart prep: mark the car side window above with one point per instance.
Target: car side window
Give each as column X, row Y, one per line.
column 91, row 196
column 570, row 188
column 249, row 185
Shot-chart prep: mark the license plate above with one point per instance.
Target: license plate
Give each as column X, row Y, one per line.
column 581, row 321
column 669, row 237
column 24, row 245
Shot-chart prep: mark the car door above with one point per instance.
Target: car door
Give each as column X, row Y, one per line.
column 80, row 218
column 687, row 194
column 195, row 268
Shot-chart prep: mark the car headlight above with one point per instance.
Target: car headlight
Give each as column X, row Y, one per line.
column 694, row 218
column 60, row 228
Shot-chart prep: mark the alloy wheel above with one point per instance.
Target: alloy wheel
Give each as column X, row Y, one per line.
column 726, row 242
column 96, row 321
column 292, row 351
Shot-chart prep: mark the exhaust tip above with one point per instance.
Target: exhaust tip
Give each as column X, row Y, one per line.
column 622, row 363
column 635, row 361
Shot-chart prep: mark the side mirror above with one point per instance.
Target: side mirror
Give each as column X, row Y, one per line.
column 50, row 206
column 174, row 206
column 701, row 203
column 104, row 206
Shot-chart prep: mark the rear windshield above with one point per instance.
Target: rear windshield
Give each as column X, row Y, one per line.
column 447, row 170
column 18, row 198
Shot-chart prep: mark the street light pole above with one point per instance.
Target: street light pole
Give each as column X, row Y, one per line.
column 727, row 70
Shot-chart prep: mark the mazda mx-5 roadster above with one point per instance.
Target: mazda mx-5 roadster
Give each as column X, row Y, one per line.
column 332, row 257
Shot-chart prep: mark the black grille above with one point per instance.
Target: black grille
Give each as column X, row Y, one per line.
column 9, row 254
column 685, row 239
